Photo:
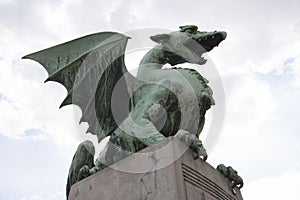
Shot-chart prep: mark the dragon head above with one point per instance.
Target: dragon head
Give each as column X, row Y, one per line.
column 188, row 44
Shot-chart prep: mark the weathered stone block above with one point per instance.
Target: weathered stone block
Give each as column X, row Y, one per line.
column 166, row 170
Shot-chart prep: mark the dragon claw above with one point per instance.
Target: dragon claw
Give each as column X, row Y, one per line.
column 83, row 172
column 198, row 149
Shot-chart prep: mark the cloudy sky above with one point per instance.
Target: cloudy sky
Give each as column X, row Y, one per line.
column 259, row 64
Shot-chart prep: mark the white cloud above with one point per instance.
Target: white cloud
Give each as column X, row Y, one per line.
column 249, row 103
column 285, row 48
column 295, row 66
column 56, row 196
column 30, row 104
column 285, row 186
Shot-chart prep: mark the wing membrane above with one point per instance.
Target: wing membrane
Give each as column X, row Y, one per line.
column 89, row 68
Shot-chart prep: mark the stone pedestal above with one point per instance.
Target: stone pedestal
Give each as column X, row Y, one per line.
column 165, row 171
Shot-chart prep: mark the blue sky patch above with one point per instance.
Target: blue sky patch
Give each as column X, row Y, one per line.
column 33, row 132
column 2, row 97
column 289, row 61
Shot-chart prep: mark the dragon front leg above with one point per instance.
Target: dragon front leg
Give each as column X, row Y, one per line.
column 193, row 142
column 129, row 138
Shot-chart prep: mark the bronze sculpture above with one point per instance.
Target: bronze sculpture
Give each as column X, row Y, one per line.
column 135, row 112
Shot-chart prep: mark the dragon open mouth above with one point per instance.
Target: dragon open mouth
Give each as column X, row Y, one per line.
column 211, row 40
column 205, row 42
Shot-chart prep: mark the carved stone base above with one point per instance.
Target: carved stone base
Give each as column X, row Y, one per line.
column 165, row 170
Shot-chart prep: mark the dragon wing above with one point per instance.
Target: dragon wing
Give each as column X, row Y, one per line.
column 90, row 67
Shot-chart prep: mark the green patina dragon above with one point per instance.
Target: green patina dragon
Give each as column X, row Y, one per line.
column 135, row 112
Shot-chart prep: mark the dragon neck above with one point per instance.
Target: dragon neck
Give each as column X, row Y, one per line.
column 154, row 59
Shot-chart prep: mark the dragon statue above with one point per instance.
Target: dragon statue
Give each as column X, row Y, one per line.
column 135, row 112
